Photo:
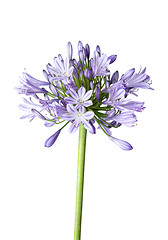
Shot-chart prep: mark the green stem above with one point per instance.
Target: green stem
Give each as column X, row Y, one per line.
column 80, row 180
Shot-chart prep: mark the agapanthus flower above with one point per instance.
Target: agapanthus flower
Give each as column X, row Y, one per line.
column 80, row 98
column 77, row 117
column 84, row 91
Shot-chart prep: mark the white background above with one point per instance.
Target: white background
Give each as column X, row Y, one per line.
column 125, row 193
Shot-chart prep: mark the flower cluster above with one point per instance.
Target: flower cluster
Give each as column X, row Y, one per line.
column 84, row 92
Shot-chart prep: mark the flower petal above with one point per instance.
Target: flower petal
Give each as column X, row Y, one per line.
column 71, row 109
column 81, row 92
column 88, row 115
column 87, row 103
column 73, row 94
column 128, row 74
column 87, row 95
column 70, row 100
column 87, row 125
column 38, row 114
column 73, row 128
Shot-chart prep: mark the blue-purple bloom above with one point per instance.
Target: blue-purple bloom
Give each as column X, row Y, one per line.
column 80, row 98
column 77, row 117
column 83, row 91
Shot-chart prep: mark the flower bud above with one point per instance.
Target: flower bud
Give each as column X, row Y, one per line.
column 88, row 73
column 114, row 77
column 97, row 93
column 81, row 56
column 87, row 51
column 69, row 50
column 107, row 84
column 80, row 46
column 51, row 140
column 75, row 72
column 91, row 85
column 112, row 58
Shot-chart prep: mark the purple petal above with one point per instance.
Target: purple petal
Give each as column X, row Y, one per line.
column 70, row 100
column 38, row 114
column 81, row 109
column 87, row 95
column 127, row 118
column 81, row 92
column 73, row 94
column 73, row 128
column 128, row 74
column 67, row 117
column 71, row 109
column 87, row 103
column 121, row 143
column 87, row 125
column 48, row 124
column 88, row 115
column 93, row 128
column 51, row 140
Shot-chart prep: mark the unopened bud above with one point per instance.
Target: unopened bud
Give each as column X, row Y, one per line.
column 88, row 73
column 97, row 93
column 81, row 56
column 69, row 50
column 80, row 46
column 87, row 51
column 114, row 77
column 91, row 85
column 112, row 58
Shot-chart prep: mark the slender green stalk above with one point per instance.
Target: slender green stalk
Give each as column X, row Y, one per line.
column 80, row 181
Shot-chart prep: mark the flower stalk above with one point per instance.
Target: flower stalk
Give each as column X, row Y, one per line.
column 80, row 181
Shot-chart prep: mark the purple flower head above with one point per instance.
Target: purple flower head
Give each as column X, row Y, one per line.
column 82, row 91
